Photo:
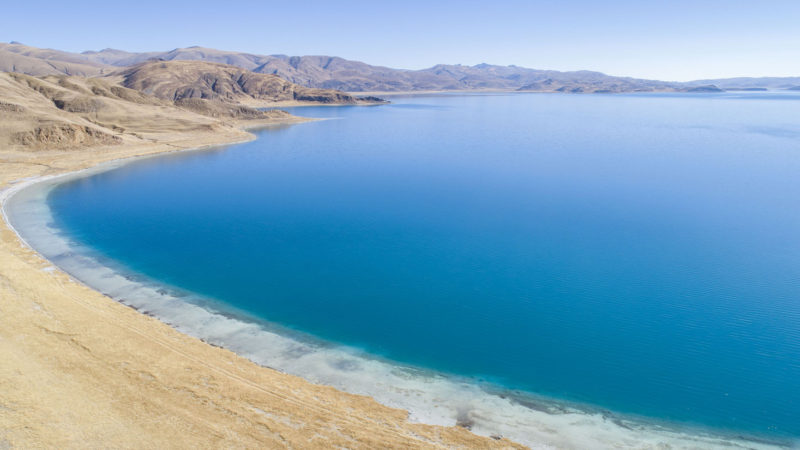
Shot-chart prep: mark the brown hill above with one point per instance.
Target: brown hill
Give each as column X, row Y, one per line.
column 15, row 57
column 181, row 80
column 61, row 112
column 122, row 58
column 118, row 58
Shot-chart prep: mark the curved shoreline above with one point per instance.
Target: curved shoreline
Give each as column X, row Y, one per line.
column 586, row 429
column 82, row 370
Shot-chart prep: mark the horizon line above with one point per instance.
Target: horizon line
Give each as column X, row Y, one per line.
column 14, row 42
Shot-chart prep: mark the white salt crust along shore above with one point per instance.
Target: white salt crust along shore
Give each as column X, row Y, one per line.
column 430, row 398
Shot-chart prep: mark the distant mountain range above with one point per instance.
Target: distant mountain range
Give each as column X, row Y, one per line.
column 329, row 72
column 749, row 83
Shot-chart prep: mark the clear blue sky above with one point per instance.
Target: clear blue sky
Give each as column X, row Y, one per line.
column 672, row 40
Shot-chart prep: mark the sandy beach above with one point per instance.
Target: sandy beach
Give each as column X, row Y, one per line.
column 81, row 370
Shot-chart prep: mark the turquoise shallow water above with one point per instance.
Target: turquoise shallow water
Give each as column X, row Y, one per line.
column 638, row 253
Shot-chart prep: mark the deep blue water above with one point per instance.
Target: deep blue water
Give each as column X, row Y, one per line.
column 640, row 253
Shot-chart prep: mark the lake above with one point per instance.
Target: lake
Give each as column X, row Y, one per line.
column 634, row 258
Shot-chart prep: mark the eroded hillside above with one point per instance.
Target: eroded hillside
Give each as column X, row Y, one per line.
column 62, row 112
column 181, row 80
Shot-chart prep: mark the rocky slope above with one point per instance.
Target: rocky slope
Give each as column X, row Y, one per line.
column 181, row 80
column 62, row 112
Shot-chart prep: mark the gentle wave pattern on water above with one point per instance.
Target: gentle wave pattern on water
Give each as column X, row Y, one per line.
column 639, row 253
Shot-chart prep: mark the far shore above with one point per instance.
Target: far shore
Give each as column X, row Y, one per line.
column 294, row 103
column 428, row 92
column 81, row 370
